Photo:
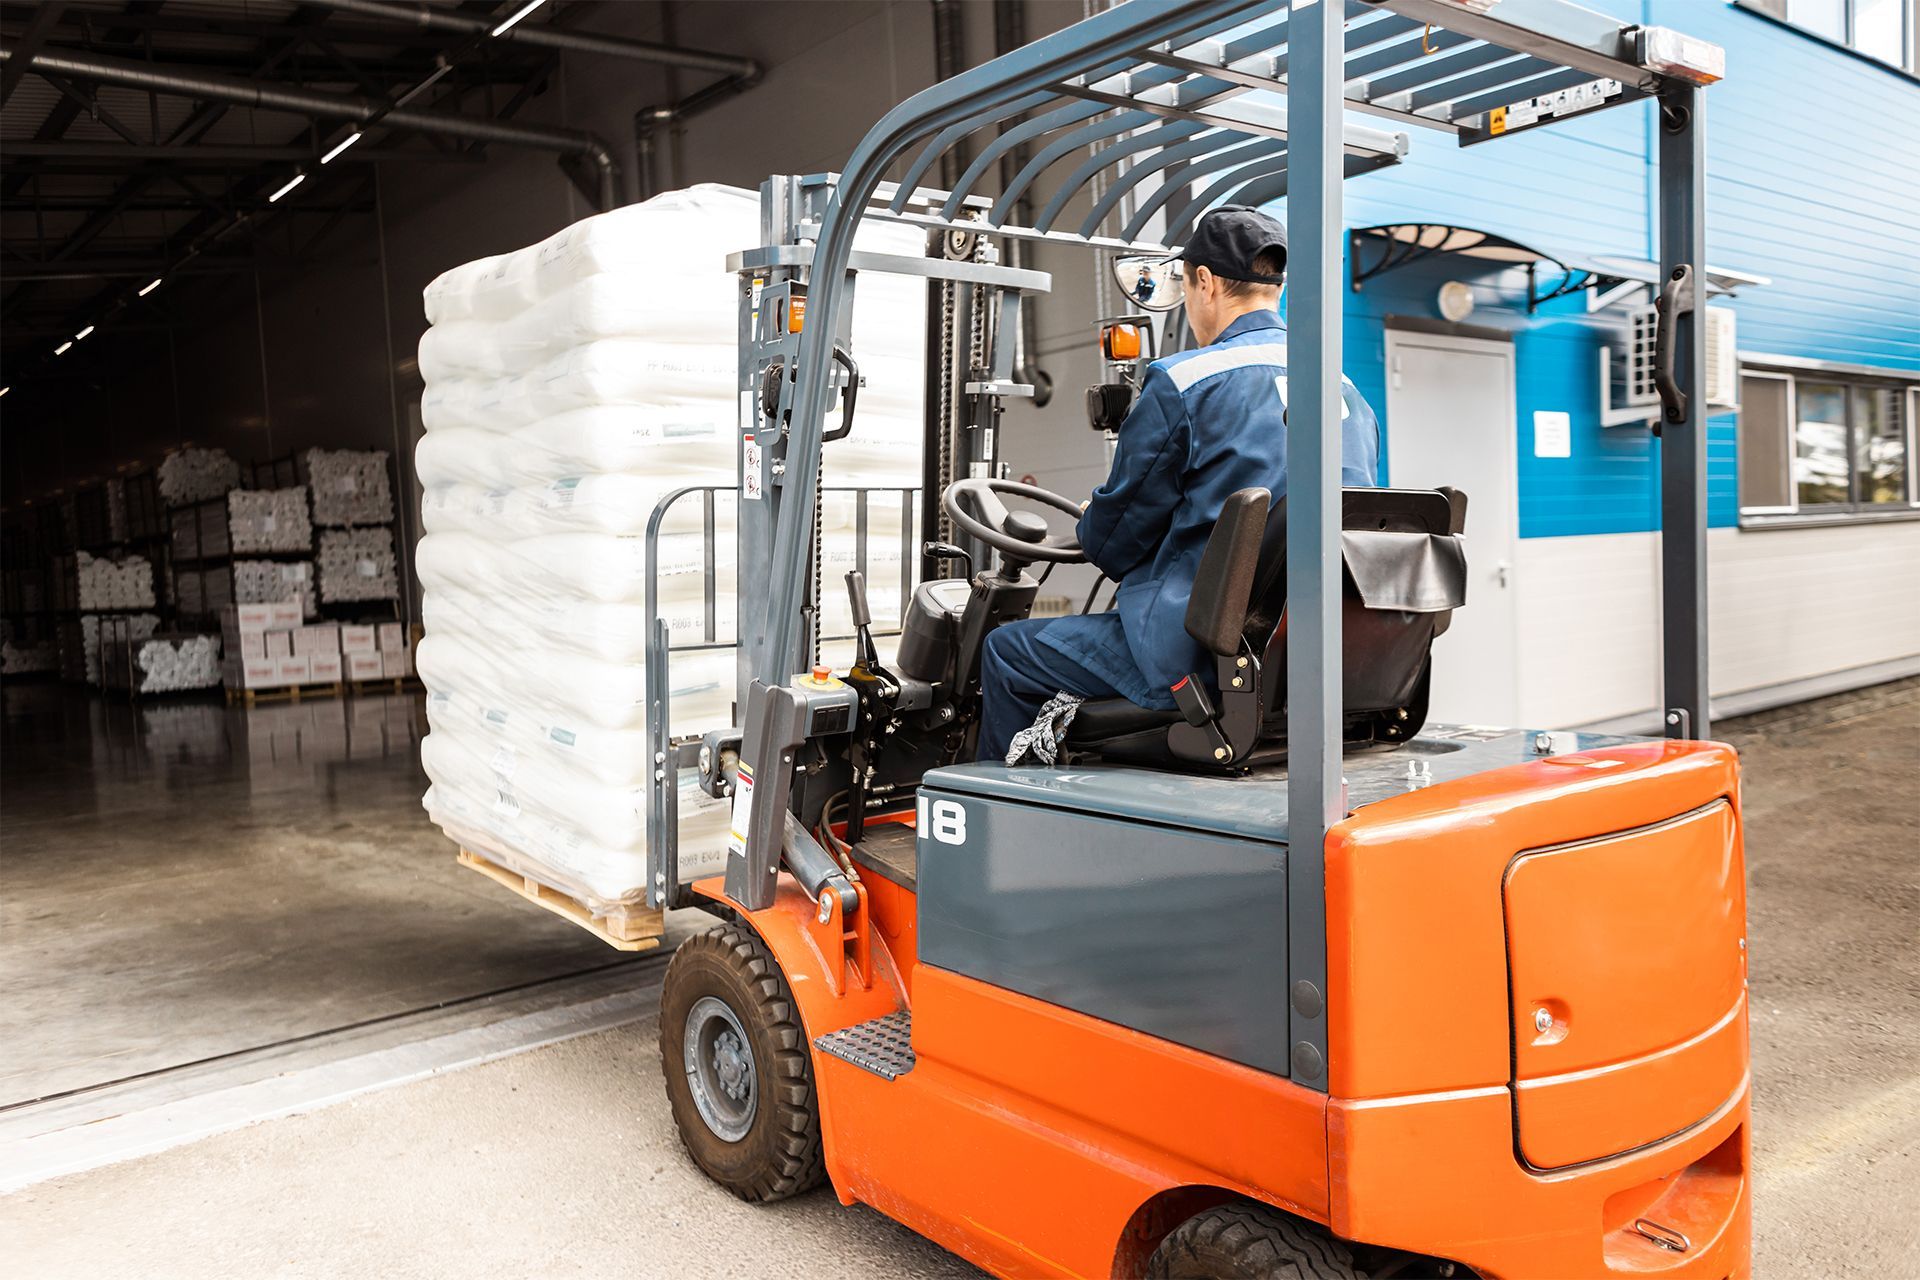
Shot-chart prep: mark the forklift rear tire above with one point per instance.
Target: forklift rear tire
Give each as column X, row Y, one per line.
column 1250, row 1242
column 738, row 1072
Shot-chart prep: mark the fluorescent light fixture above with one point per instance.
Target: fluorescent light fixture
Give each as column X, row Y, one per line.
column 62, row 348
column 518, row 14
column 340, row 146
column 292, row 182
column 151, row 287
column 83, row 333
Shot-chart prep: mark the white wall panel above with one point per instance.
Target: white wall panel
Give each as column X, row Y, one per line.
column 1786, row 605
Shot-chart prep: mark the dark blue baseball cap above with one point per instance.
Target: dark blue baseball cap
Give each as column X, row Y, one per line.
column 1230, row 238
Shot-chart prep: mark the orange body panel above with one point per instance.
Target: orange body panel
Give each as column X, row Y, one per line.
column 1602, row 927
column 1037, row 1141
column 1027, row 1136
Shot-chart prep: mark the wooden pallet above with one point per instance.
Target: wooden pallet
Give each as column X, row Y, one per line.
column 287, row 693
column 385, row 685
column 627, row 928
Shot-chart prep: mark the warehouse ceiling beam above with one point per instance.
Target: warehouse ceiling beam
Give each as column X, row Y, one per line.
column 44, row 19
column 432, row 18
column 328, row 106
column 111, row 157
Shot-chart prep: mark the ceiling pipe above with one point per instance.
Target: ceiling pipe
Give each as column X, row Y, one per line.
column 549, row 37
column 331, row 106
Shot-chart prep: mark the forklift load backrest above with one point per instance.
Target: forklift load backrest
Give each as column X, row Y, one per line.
column 1405, row 573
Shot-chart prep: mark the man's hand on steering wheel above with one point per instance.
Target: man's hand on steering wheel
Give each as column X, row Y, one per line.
column 1021, row 537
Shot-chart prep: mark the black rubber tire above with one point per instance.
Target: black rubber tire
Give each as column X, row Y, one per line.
column 780, row 1155
column 1242, row 1241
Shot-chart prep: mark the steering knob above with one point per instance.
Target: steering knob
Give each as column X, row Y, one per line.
column 1026, row 526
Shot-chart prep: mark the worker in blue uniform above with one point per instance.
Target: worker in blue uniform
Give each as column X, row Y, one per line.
column 1208, row 422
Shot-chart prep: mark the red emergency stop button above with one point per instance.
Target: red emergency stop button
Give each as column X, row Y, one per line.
column 822, row 674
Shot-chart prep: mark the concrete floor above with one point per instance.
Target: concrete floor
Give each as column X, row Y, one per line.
column 185, row 879
column 562, row 1161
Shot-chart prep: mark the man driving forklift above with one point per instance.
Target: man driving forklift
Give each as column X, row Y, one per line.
column 1209, row 422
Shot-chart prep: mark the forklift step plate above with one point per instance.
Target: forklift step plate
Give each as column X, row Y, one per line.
column 883, row 1046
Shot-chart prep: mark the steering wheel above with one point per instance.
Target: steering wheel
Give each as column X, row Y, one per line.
column 1018, row 535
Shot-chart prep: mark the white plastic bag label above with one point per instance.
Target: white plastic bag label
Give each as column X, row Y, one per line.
column 368, row 569
column 506, row 762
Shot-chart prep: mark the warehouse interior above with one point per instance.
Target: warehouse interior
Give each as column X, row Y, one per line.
column 263, row 870
column 220, row 903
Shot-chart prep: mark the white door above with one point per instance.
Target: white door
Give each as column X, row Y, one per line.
column 1450, row 420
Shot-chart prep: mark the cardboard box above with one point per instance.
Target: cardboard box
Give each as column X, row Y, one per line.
column 293, row 670
column 277, row 644
column 325, row 666
column 396, row 662
column 251, row 644
column 356, row 639
column 364, row 666
column 259, row 673
column 321, row 639
column 393, row 637
column 247, row 617
column 285, row 614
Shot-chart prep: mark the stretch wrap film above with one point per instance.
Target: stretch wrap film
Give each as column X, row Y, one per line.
column 571, row 388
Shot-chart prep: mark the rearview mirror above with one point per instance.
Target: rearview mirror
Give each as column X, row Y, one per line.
column 1151, row 283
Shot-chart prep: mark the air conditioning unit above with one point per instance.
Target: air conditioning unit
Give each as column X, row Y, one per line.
column 1627, row 391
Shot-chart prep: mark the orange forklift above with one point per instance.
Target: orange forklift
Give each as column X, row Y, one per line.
column 1284, row 982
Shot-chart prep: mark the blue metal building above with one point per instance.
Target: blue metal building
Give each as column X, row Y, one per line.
column 1485, row 379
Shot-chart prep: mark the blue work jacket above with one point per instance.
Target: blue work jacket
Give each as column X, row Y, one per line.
column 1208, row 423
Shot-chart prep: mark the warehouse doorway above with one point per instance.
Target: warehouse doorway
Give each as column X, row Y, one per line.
column 1450, row 421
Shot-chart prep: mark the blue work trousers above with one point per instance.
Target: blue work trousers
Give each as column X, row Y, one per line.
column 1017, row 676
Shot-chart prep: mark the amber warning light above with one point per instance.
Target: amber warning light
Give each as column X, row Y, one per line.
column 1120, row 341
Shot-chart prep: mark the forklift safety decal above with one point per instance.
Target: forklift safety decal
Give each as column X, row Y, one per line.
column 742, row 811
column 944, row 820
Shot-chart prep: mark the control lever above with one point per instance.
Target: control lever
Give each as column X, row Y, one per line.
column 947, row 551
column 864, row 653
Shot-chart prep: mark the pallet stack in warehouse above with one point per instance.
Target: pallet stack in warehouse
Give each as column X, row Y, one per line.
column 271, row 650
column 247, row 546
column 570, row 387
column 354, row 554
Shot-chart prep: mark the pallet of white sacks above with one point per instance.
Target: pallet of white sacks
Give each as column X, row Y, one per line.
column 622, row 927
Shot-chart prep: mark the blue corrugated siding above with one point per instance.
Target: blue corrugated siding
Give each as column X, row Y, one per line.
column 1813, row 180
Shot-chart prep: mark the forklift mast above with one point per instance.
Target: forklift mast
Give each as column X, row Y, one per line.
column 1168, row 110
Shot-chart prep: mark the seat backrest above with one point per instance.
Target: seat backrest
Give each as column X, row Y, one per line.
column 1223, row 583
column 1402, row 576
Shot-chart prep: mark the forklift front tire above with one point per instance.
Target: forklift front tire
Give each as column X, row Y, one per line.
column 1243, row 1241
column 738, row 1073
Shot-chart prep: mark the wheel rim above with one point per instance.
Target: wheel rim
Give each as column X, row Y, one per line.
column 719, row 1063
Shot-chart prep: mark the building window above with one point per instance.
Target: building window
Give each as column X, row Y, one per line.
column 1882, row 29
column 1820, row 444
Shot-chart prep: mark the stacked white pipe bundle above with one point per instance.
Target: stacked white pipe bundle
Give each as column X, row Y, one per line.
column 272, row 581
column 570, row 387
column 357, row 564
column 194, row 475
column 134, row 626
column 349, row 486
column 18, row 657
column 269, row 520
column 126, row 583
column 169, row 666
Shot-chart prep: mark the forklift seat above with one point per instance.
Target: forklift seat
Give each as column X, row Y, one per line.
column 1404, row 573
